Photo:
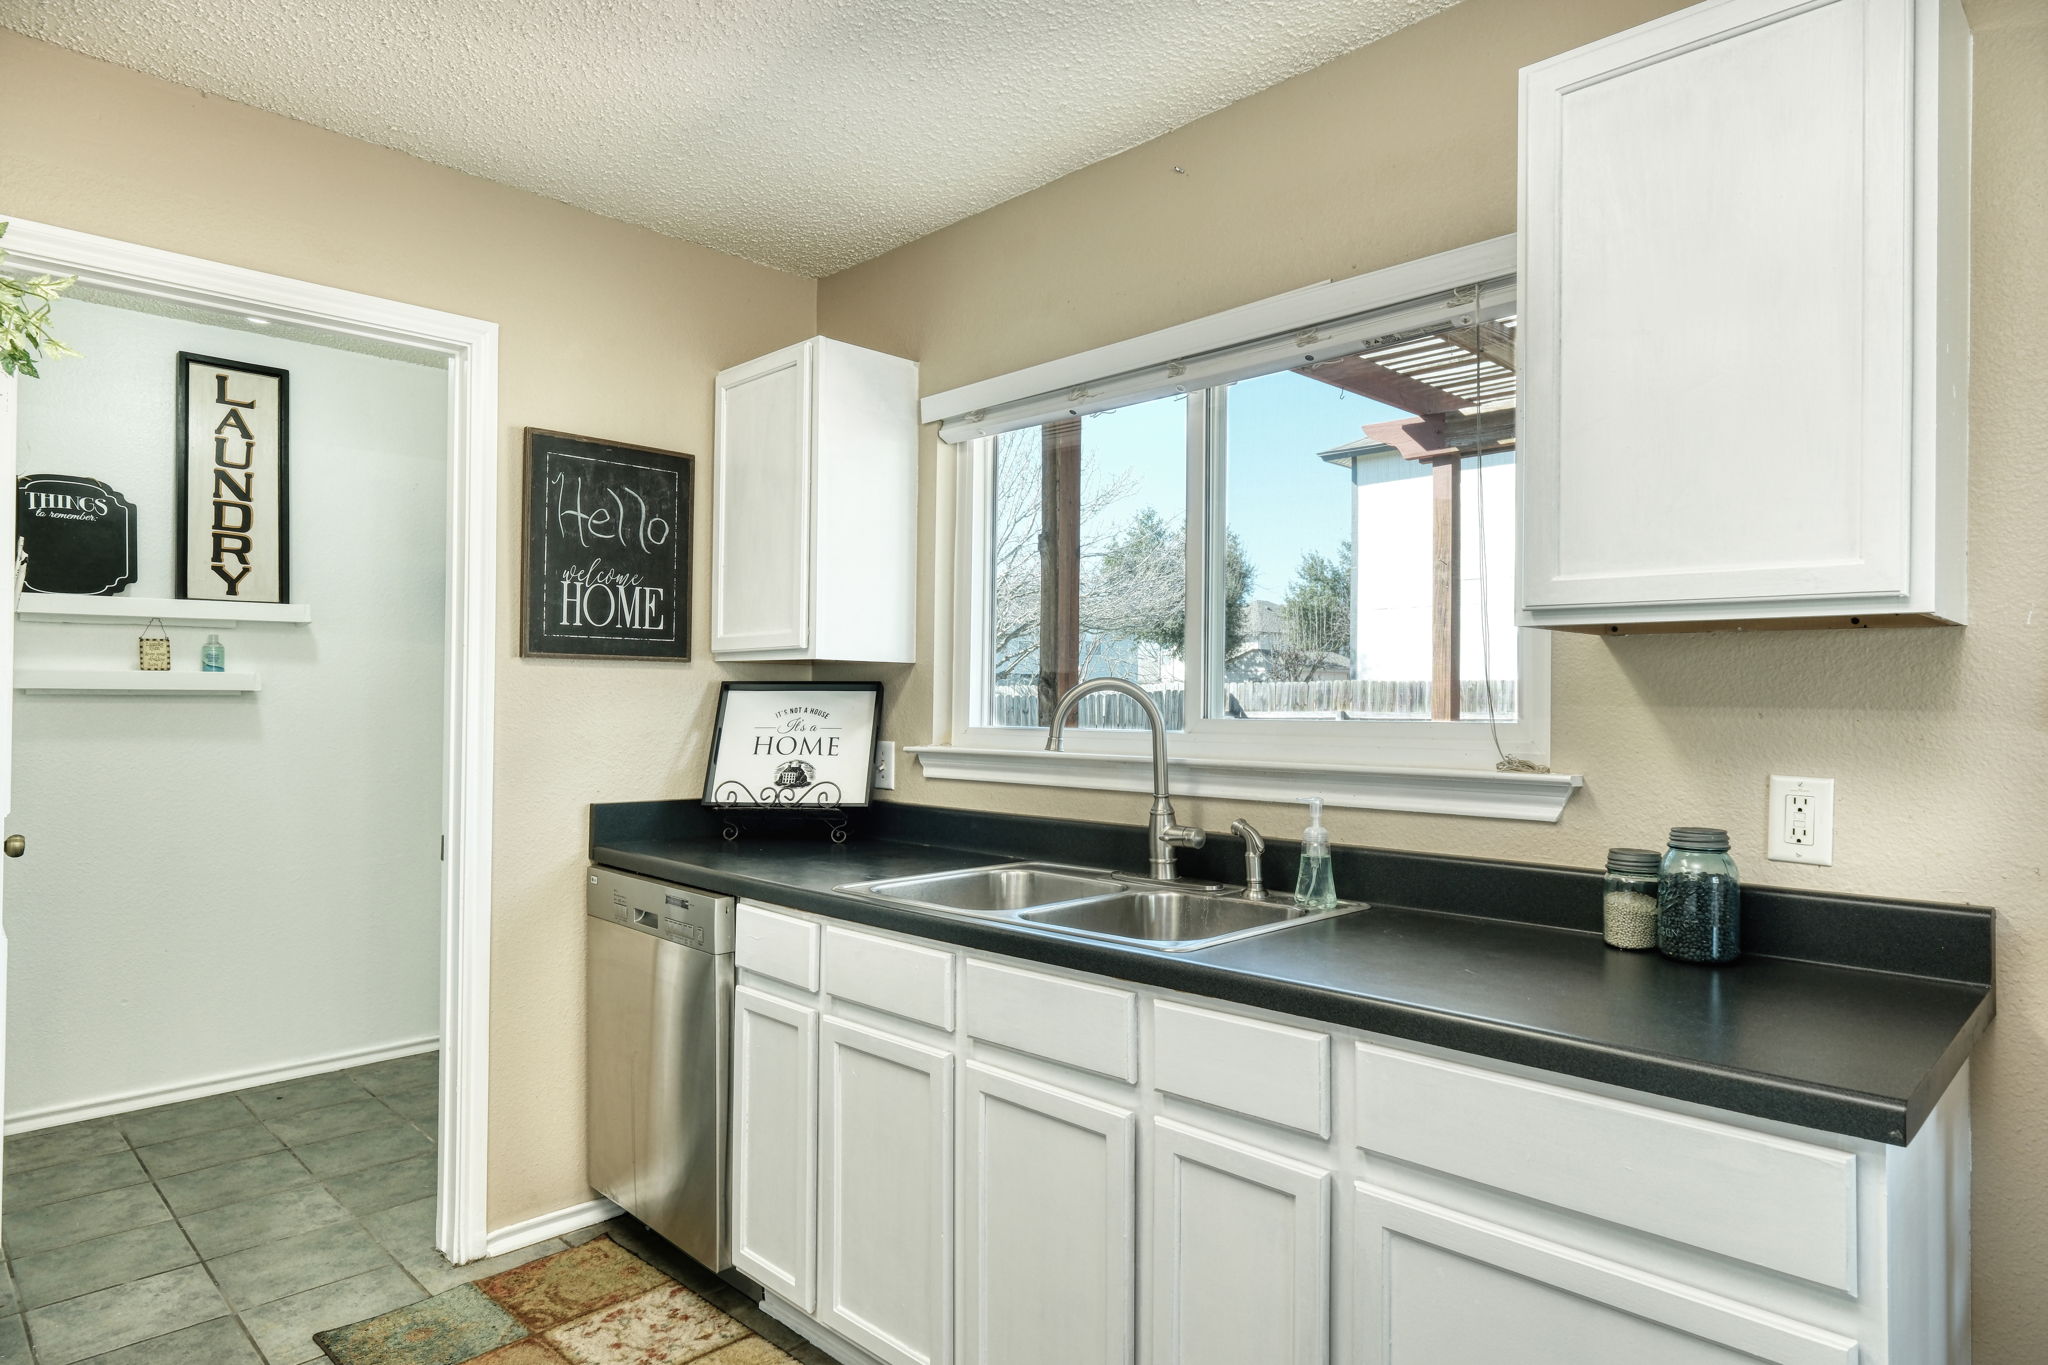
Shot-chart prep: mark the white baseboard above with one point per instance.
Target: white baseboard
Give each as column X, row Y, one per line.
column 562, row 1221
column 51, row 1116
column 815, row 1332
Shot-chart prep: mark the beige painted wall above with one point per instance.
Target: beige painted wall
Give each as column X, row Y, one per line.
column 1938, row 739
column 606, row 329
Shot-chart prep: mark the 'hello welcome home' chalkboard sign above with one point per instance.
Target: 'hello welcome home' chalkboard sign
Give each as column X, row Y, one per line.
column 607, row 549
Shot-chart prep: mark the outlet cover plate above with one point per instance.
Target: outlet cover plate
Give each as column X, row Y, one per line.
column 1802, row 821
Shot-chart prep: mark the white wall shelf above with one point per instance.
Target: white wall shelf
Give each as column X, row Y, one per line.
column 172, row 611
column 133, row 681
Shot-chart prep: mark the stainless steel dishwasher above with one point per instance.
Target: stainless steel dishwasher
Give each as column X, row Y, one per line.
column 660, row 981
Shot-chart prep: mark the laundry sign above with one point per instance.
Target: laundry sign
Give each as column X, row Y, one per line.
column 234, row 512
column 607, row 549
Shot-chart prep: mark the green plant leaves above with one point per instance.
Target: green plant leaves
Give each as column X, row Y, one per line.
column 25, row 320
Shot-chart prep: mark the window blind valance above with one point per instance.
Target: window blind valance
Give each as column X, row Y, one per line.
column 1316, row 325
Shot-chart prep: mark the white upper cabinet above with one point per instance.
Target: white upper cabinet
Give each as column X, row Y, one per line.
column 1743, row 333
column 814, row 507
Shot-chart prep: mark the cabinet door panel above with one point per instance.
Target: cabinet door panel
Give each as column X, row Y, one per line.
column 1047, row 1209
column 774, row 1144
column 1075, row 1023
column 775, row 945
column 1239, row 1267
column 885, row 1194
column 1788, row 1206
column 761, row 531
column 1253, row 1067
column 1717, row 376
column 1442, row 1288
column 887, row 974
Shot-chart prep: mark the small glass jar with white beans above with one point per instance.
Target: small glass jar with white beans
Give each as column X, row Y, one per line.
column 1628, row 906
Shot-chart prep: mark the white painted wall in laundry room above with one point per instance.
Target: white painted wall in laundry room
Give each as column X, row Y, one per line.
column 224, row 887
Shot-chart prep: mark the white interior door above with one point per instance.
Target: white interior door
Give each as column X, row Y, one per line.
column 9, row 391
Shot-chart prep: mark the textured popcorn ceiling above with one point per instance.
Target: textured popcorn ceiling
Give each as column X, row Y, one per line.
column 805, row 134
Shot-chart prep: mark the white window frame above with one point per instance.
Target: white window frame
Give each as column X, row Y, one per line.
column 1445, row 767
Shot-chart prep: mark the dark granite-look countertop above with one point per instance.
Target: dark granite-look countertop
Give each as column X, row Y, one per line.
column 1839, row 1037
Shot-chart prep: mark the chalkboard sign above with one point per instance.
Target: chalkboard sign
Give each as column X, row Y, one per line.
column 78, row 534
column 607, row 550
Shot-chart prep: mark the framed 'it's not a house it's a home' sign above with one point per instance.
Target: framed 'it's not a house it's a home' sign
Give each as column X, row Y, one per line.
column 234, row 509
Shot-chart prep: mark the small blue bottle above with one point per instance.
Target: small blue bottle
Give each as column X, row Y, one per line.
column 213, row 656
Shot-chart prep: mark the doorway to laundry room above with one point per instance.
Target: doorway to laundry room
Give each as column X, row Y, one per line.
column 229, row 764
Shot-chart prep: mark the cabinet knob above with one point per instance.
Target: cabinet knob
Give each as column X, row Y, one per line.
column 15, row 846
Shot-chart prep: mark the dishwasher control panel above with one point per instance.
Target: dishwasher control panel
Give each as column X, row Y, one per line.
column 695, row 919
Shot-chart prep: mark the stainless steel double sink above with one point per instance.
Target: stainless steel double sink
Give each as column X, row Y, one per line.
column 1173, row 917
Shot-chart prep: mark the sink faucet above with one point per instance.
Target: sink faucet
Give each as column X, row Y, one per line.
column 1254, row 850
column 1165, row 835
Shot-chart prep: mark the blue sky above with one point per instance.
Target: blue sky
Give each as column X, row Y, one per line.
column 1283, row 501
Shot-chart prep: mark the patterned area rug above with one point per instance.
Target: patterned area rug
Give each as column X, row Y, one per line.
column 594, row 1304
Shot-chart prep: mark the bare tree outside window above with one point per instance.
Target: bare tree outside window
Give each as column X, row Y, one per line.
column 1130, row 559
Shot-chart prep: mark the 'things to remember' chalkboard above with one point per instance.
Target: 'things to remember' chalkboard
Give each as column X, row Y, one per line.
column 607, row 549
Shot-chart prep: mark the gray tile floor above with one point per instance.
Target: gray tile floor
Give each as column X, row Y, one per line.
column 226, row 1231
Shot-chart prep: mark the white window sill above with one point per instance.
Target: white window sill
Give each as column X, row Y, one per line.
column 1481, row 792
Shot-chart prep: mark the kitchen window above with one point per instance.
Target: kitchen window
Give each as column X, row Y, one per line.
column 1301, row 545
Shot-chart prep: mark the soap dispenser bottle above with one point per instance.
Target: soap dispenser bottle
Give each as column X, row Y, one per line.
column 1315, row 885
column 213, row 656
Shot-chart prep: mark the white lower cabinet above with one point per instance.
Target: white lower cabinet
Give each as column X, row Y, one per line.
column 1437, row 1287
column 885, row 1193
column 775, row 1143
column 1048, row 1209
column 1135, row 1177
column 1239, row 1265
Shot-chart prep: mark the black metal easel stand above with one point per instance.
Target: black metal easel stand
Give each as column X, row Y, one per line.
column 737, row 818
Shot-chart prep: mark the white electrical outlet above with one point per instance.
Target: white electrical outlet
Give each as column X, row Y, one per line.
column 885, row 765
column 1802, row 820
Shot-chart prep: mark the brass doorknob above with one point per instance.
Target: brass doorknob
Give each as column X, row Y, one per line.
column 15, row 846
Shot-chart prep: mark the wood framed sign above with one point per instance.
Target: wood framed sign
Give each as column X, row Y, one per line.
column 793, row 744
column 77, row 535
column 234, row 504
column 607, row 550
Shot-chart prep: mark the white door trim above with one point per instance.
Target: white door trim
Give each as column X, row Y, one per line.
column 471, row 346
